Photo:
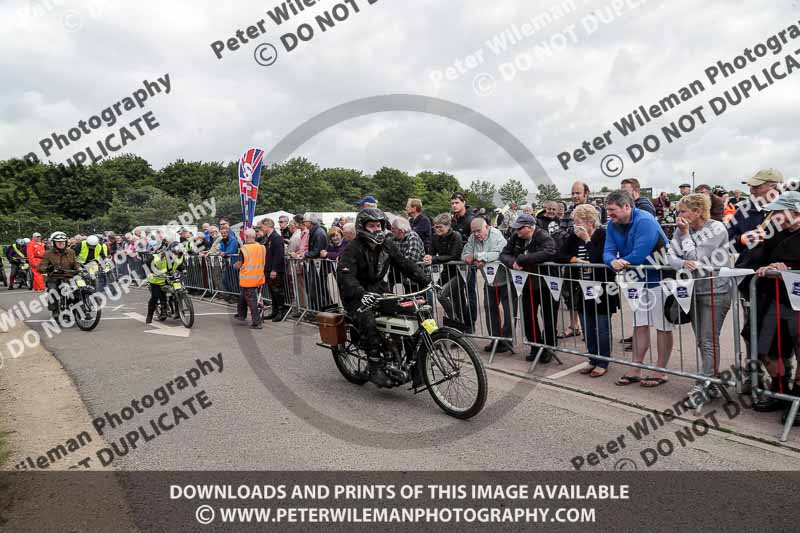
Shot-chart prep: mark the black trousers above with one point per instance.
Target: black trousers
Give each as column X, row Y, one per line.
column 276, row 292
column 156, row 295
column 364, row 322
column 534, row 298
column 248, row 297
column 494, row 298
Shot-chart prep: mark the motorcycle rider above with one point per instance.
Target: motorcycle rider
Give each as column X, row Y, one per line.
column 164, row 262
column 361, row 278
column 16, row 257
column 60, row 256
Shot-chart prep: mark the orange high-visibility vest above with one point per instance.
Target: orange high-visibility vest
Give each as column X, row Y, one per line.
column 251, row 273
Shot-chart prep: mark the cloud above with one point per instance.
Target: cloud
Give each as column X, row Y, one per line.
column 65, row 61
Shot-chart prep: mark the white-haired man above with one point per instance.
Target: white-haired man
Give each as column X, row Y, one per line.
column 252, row 260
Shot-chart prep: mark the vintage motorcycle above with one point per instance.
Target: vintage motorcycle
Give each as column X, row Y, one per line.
column 417, row 351
column 24, row 279
column 178, row 301
column 79, row 303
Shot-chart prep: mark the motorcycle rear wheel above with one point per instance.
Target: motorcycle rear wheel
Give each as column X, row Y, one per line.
column 353, row 368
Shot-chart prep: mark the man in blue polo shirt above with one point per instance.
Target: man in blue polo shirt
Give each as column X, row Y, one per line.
column 631, row 238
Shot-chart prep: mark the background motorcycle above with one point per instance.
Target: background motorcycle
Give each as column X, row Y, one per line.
column 178, row 301
column 79, row 304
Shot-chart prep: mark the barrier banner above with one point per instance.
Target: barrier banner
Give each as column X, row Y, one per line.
column 592, row 290
column 633, row 294
column 792, row 282
column 554, row 284
column 436, row 273
column 249, row 181
column 491, row 272
column 726, row 272
column 683, row 293
column 519, row 277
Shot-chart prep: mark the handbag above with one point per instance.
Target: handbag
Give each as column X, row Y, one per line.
column 674, row 313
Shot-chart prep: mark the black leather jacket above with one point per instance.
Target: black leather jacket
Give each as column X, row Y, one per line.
column 363, row 269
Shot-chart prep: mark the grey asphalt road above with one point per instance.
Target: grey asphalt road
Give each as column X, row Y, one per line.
column 280, row 404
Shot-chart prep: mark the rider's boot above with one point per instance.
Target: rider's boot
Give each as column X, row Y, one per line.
column 375, row 365
column 151, row 308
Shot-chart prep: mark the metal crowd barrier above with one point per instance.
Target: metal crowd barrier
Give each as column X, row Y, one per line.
column 760, row 322
column 499, row 305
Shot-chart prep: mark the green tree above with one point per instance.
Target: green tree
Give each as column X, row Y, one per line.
column 481, row 194
column 547, row 192
column 513, row 191
column 350, row 185
column 181, row 178
column 393, row 188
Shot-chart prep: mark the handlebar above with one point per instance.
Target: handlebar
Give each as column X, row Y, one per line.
column 390, row 297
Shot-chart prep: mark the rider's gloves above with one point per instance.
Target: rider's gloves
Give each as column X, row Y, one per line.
column 436, row 287
column 369, row 299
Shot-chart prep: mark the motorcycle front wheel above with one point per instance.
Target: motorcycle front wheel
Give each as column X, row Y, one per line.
column 185, row 309
column 87, row 313
column 455, row 375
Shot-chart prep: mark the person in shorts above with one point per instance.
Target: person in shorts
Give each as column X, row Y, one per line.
column 632, row 237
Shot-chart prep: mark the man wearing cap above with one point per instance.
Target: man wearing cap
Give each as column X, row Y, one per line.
column 745, row 231
column 777, row 325
column 368, row 202
column 527, row 248
column 685, row 189
column 35, row 254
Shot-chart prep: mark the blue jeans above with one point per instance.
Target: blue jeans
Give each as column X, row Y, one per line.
column 597, row 331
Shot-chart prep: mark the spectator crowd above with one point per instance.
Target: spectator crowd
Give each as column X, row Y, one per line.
column 588, row 242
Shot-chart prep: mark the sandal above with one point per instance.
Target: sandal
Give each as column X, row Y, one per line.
column 598, row 372
column 587, row 370
column 652, row 382
column 572, row 333
column 627, row 380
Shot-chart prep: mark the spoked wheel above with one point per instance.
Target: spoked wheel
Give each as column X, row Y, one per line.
column 455, row 375
column 87, row 313
column 185, row 309
column 352, row 367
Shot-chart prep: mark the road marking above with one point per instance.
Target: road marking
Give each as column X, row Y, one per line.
column 568, row 371
column 138, row 319
column 37, row 320
column 162, row 329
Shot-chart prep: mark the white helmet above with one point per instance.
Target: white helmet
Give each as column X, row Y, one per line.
column 58, row 236
column 92, row 240
column 26, row 240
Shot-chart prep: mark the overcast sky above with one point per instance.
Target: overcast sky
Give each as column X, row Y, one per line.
column 66, row 60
